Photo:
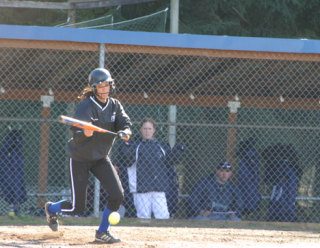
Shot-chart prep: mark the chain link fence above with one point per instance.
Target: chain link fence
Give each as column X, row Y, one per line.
column 258, row 111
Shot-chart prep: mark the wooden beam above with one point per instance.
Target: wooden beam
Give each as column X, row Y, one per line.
column 171, row 99
column 104, row 4
column 123, row 48
column 51, row 45
column 72, row 4
column 115, row 48
column 44, row 156
column 34, row 5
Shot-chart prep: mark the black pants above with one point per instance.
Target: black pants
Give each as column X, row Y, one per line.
column 104, row 171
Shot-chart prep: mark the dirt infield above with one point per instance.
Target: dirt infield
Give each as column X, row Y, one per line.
column 157, row 237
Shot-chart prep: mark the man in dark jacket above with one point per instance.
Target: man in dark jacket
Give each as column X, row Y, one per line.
column 149, row 161
column 12, row 182
column 215, row 197
column 282, row 175
column 282, row 205
column 248, row 176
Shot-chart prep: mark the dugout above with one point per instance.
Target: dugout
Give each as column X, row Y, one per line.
column 209, row 92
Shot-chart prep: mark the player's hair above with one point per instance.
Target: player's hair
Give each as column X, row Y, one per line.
column 147, row 119
column 86, row 92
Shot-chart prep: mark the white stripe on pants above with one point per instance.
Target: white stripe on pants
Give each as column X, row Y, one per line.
column 151, row 202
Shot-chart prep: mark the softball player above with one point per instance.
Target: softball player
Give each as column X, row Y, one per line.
column 89, row 152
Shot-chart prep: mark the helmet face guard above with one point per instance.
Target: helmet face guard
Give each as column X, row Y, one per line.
column 99, row 75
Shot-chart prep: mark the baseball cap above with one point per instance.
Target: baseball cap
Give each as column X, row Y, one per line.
column 224, row 166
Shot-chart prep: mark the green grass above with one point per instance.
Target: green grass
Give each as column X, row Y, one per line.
column 92, row 221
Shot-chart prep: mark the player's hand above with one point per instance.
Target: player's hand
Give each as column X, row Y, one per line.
column 88, row 133
column 123, row 135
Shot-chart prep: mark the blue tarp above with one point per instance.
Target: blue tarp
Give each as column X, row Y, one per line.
column 12, row 184
column 214, row 42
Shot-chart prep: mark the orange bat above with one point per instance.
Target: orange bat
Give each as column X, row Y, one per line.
column 83, row 124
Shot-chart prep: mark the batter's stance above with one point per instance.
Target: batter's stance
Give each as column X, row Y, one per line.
column 89, row 152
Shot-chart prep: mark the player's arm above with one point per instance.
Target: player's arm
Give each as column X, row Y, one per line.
column 123, row 123
column 83, row 112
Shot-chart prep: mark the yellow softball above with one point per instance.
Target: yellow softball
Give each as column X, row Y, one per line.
column 114, row 218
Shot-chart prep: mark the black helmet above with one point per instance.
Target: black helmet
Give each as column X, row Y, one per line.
column 100, row 75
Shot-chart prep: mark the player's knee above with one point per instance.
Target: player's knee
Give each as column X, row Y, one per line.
column 115, row 202
column 79, row 208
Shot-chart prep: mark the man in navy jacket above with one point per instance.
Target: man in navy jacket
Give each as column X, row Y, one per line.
column 12, row 177
column 215, row 197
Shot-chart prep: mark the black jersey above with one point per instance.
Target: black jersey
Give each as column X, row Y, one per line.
column 111, row 117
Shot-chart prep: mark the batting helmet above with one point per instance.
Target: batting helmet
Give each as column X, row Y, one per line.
column 100, row 75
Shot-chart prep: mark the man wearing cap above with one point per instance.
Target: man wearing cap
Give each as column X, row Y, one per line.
column 216, row 197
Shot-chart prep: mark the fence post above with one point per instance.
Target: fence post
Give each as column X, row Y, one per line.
column 172, row 124
column 232, row 132
column 174, row 28
column 96, row 201
column 71, row 13
column 174, row 16
column 44, row 148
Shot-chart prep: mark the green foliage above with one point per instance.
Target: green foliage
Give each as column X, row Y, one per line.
column 259, row 18
column 18, row 16
column 136, row 10
column 262, row 18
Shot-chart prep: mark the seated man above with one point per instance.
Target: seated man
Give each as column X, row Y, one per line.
column 282, row 205
column 215, row 197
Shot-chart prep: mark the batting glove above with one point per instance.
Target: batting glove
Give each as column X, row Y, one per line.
column 123, row 135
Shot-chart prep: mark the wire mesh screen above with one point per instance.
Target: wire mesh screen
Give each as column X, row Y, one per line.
column 243, row 129
column 155, row 22
column 107, row 19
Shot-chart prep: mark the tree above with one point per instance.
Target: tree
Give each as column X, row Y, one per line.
column 258, row 18
column 272, row 18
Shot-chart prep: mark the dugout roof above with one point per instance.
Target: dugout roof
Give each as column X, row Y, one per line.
column 170, row 64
